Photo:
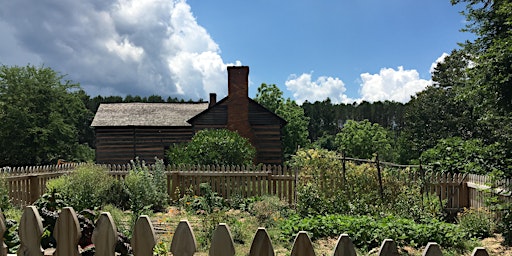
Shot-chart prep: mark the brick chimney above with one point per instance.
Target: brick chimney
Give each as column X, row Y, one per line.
column 238, row 101
column 213, row 100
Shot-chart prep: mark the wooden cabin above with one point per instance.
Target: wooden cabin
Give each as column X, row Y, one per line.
column 145, row 130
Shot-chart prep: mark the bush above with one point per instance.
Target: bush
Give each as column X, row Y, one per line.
column 146, row 189
column 5, row 201
column 270, row 210
column 220, row 146
column 85, row 188
column 358, row 193
column 477, row 223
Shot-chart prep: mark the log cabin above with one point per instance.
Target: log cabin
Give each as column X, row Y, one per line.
column 125, row 131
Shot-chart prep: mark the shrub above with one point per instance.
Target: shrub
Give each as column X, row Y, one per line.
column 5, row 201
column 270, row 210
column 219, row 146
column 477, row 223
column 323, row 189
column 85, row 188
column 145, row 188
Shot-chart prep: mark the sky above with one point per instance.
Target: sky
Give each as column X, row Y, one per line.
column 347, row 51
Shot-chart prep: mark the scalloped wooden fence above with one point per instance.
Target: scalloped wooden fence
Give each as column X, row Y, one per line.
column 67, row 234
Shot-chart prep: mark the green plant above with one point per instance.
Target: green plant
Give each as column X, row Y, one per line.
column 121, row 219
column 145, row 187
column 269, row 210
column 160, row 249
column 218, row 146
column 368, row 232
column 85, row 188
column 5, row 202
column 207, row 202
column 478, row 223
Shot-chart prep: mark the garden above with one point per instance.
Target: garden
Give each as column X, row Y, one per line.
column 357, row 207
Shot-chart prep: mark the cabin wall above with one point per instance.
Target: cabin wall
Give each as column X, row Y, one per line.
column 119, row 145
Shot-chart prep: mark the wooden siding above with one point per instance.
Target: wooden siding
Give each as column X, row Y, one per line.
column 119, row 145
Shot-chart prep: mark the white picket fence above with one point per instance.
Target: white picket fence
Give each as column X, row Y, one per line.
column 67, row 233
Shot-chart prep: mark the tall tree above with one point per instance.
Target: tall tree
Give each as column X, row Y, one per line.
column 362, row 139
column 295, row 133
column 269, row 96
column 39, row 116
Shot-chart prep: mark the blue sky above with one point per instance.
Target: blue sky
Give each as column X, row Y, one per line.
column 346, row 50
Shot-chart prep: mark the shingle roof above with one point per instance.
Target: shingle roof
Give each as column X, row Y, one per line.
column 146, row 114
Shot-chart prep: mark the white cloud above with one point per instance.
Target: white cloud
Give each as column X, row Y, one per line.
column 439, row 60
column 304, row 88
column 390, row 84
column 137, row 47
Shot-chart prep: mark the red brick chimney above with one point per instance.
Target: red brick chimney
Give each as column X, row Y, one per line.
column 238, row 101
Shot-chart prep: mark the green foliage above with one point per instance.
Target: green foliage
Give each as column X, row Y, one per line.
column 477, row 223
column 456, row 155
column 5, row 201
column 270, row 210
column 368, row 232
column 85, row 188
column 11, row 238
column 363, row 139
column 434, row 114
column 42, row 112
column 146, row 188
column 269, row 96
column 295, row 133
column 206, row 202
column 358, row 192
column 217, row 146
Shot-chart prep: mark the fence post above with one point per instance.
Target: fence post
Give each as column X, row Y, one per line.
column 381, row 189
column 34, row 188
column 174, row 185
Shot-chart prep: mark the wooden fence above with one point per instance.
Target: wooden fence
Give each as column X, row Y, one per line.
column 67, row 234
column 28, row 183
column 458, row 191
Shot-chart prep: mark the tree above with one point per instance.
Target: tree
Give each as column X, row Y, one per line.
column 39, row 116
column 363, row 139
column 434, row 114
column 295, row 133
column 456, row 155
column 269, row 96
column 218, row 146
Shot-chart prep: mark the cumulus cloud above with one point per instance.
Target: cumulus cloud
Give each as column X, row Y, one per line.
column 116, row 47
column 439, row 60
column 304, row 88
column 390, row 84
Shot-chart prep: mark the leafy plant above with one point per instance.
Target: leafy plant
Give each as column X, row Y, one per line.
column 269, row 210
column 478, row 223
column 368, row 232
column 5, row 201
column 145, row 188
column 217, row 146
column 206, row 202
column 85, row 188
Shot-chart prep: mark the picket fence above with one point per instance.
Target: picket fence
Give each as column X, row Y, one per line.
column 67, row 234
column 27, row 184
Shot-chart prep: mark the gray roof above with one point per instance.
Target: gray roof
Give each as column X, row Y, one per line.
column 146, row 114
